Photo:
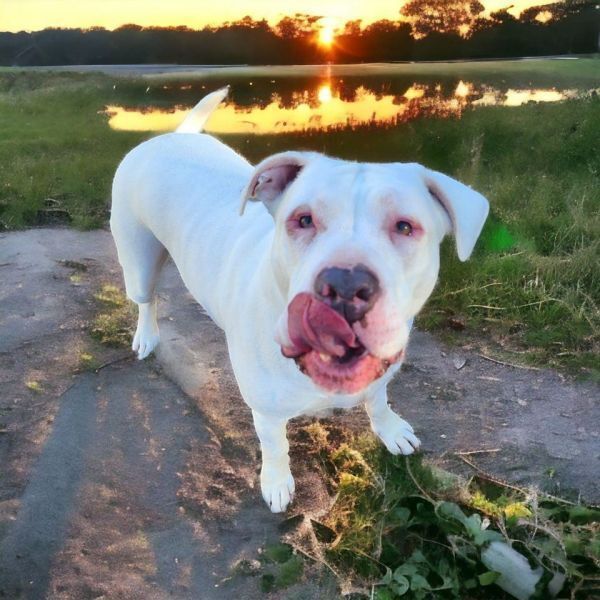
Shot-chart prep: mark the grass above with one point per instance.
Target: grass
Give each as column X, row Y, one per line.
column 513, row 72
column 532, row 288
column 113, row 324
column 401, row 528
column 56, row 156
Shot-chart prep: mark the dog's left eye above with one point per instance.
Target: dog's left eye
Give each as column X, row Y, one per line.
column 404, row 228
column 305, row 221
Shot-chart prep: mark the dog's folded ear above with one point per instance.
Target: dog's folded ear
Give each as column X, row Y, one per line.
column 467, row 209
column 271, row 178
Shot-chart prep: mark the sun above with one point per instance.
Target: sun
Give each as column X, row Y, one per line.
column 326, row 36
column 326, row 33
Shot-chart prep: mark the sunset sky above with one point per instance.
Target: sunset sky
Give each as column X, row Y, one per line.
column 31, row 15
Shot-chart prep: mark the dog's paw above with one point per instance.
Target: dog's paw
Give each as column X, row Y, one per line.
column 397, row 435
column 278, row 493
column 144, row 342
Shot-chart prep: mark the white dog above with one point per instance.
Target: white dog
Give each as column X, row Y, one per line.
column 316, row 289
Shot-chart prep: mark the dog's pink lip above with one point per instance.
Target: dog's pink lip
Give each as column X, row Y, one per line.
column 346, row 375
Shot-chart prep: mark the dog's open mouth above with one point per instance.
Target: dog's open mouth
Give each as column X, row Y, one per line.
column 326, row 348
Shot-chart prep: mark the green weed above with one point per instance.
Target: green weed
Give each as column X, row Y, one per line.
column 399, row 529
column 281, row 567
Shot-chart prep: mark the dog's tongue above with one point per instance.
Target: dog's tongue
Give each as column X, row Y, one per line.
column 313, row 325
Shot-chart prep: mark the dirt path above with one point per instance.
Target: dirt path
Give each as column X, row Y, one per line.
column 140, row 480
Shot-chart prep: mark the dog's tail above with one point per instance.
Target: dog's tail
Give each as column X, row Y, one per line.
column 194, row 122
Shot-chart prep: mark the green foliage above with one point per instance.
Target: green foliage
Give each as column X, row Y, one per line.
column 282, row 568
column 277, row 553
column 401, row 530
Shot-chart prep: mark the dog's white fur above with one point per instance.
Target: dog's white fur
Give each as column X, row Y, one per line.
column 180, row 193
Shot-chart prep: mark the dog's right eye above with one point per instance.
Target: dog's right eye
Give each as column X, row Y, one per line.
column 305, row 221
column 302, row 225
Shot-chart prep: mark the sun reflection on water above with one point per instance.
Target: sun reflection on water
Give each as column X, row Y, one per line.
column 414, row 92
column 324, row 94
column 463, row 89
column 325, row 107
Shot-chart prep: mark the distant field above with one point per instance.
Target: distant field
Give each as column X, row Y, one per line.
column 533, row 288
column 573, row 69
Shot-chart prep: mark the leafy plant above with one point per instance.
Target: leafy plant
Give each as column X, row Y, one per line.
column 282, row 567
column 402, row 529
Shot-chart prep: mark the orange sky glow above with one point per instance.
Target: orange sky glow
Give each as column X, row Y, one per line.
column 32, row 15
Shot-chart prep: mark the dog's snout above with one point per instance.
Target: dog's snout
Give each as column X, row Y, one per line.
column 351, row 292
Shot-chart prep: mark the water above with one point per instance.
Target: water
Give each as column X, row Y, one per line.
column 306, row 98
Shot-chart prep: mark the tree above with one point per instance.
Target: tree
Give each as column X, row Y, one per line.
column 352, row 28
column 248, row 22
column 129, row 27
column 573, row 28
column 299, row 25
column 441, row 16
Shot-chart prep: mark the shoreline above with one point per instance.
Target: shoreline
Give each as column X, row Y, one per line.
column 330, row 69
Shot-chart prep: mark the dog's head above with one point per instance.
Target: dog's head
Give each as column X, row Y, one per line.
column 357, row 255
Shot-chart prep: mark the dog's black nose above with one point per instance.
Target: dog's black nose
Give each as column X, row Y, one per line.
column 351, row 292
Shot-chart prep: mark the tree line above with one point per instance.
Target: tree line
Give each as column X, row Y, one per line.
column 428, row 30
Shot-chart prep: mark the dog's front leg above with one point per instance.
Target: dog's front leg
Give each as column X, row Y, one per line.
column 276, row 481
column 146, row 335
column 397, row 435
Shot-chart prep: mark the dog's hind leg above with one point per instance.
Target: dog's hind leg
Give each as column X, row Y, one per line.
column 141, row 256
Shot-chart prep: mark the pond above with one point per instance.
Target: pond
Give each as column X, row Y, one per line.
column 331, row 97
